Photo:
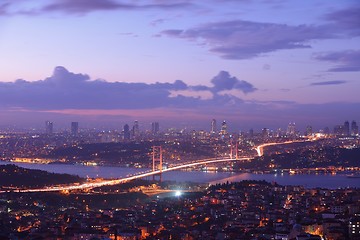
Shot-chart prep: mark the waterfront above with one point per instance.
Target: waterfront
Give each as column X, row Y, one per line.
column 306, row 180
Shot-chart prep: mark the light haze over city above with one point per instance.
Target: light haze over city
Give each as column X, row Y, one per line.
column 181, row 63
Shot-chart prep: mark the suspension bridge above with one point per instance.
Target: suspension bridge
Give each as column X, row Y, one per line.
column 157, row 169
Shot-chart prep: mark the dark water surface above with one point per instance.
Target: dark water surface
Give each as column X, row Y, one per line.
column 306, row 180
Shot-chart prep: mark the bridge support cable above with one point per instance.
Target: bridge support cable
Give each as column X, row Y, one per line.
column 234, row 150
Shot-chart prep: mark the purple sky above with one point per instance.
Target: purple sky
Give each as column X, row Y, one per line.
column 253, row 63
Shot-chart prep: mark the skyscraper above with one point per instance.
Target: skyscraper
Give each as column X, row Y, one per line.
column 74, row 128
column 265, row 132
column 251, row 133
column 223, row 128
column 49, row 127
column 309, row 130
column 136, row 131
column 126, row 132
column 339, row 130
column 354, row 128
column 213, row 126
column 154, row 127
column 291, row 129
column 346, row 128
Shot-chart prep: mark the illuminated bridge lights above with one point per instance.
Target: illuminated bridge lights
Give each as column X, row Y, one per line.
column 126, row 179
column 102, row 183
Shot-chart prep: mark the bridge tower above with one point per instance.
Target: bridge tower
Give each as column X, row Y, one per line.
column 234, row 148
column 157, row 157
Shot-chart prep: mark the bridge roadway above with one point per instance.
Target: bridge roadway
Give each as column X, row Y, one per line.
column 102, row 183
column 260, row 149
column 125, row 179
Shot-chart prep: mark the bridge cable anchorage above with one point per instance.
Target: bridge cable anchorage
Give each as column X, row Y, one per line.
column 157, row 157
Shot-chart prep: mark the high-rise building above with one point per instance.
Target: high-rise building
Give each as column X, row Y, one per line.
column 126, row 131
column 74, row 128
column 309, row 130
column 155, row 128
column 346, row 128
column 49, row 127
column 213, row 126
column 291, row 129
column 265, row 132
column 327, row 130
column 251, row 133
column 339, row 130
column 136, row 131
column 354, row 128
column 223, row 128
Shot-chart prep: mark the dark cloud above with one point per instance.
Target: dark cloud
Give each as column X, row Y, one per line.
column 67, row 90
column 285, row 90
column 346, row 19
column 4, row 8
column 86, row 6
column 245, row 39
column 266, row 67
column 349, row 60
column 66, row 96
column 223, row 81
column 335, row 82
column 157, row 22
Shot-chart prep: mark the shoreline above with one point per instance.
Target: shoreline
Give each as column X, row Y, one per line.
column 304, row 171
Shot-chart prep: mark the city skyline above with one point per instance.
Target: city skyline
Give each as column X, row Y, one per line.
column 347, row 128
column 254, row 64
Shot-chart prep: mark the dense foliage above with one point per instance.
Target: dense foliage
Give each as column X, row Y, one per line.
column 14, row 176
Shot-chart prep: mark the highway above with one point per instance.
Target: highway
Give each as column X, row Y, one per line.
column 260, row 149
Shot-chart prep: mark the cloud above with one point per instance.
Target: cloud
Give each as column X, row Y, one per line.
column 349, row 60
column 266, row 67
column 223, row 81
column 335, row 82
column 87, row 6
column 245, row 39
column 156, row 22
column 346, row 19
column 66, row 96
column 4, row 9
column 67, row 90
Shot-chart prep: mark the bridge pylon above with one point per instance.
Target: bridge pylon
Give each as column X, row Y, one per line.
column 157, row 157
column 234, row 149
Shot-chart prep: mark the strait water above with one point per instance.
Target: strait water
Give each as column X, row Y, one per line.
column 306, row 180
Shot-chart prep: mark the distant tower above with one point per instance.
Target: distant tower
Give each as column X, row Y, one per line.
column 126, row 132
column 223, row 128
column 265, row 132
column 155, row 128
column 354, row 128
column 74, row 128
column 346, row 128
column 339, row 130
column 291, row 129
column 251, row 133
column 327, row 130
column 309, row 130
column 213, row 126
column 49, row 127
column 136, row 131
